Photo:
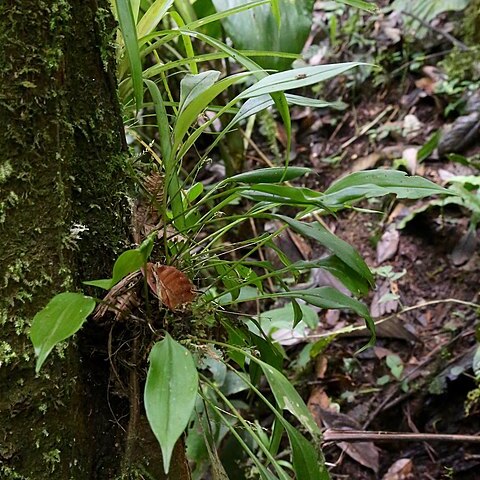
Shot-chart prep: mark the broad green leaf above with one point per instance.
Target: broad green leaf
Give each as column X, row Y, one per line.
column 269, row 175
column 284, row 317
column 428, row 10
column 192, row 86
column 287, row 397
column 197, row 104
column 377, row 183
column 194, row 192
column 340, row 248
column 368, row 6
column 170, row 393
column 129, row 32
column 283, row 26
column 308, row 462
column 152, row 17
column 128, row 262
column 60, row 319
column 297, row 78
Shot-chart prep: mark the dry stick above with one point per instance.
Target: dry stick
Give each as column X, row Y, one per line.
column 335, row 435
column 447, row 35
column 366, row 128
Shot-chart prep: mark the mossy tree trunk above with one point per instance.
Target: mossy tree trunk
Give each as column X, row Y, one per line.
column 62, row 218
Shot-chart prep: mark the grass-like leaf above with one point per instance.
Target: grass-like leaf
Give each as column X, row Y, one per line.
column 269, row 175
column 339, row 247
column 129, row 32
column 152, row 17
column 361, row 4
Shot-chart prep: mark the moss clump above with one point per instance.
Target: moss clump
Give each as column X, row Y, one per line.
column 460, row 65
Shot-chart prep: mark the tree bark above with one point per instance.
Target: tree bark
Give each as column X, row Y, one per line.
column 61, row 218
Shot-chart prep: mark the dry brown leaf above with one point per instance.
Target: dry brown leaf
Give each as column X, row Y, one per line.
column 387, row 247
column 365, row 453
column 170, row 285
column 120, row 299
column 465, row 248
column 379, row 309
column 401, row 470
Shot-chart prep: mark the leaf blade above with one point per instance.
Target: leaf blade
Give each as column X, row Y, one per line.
column 62, row 317
column 170, row 393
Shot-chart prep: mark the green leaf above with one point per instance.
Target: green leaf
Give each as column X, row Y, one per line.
column 197, row 103
column 287, row 397
column 152, row 17
column 269, row 175
column 60, row 319
column 426, row 10
column 297, row 78
column 340, row 248
column 284, row 194
column 193, row 86
column 170, row 393
column 128, row 262
column 308, row 462
column 194, row 192
column 162, row 120
column 282, row 26
column 349, row 277
column 377, row 183
column 329, row 297
column 129, row 32
column 287, row 317
column 429, row 146
column 368, row 6
column 257, row 104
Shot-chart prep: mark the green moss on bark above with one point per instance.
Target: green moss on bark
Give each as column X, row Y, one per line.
column 61, row 142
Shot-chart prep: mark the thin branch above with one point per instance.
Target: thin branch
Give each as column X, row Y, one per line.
column 447, row 35
column 335, row 435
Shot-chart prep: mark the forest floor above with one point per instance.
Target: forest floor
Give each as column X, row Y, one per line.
column 417, row 377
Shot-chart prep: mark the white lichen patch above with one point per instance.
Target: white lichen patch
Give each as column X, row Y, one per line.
column 6, row 171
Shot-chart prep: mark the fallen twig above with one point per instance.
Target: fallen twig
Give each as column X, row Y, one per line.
column 336, row 435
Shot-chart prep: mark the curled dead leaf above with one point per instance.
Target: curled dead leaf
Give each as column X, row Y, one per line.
column 170, row 285
column 121, row 299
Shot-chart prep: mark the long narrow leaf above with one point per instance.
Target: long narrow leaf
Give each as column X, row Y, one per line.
column 339, row 247
column 297, row 78
column 129, row 32
column 153, row 17
column 162, row 120
column 377, row 183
